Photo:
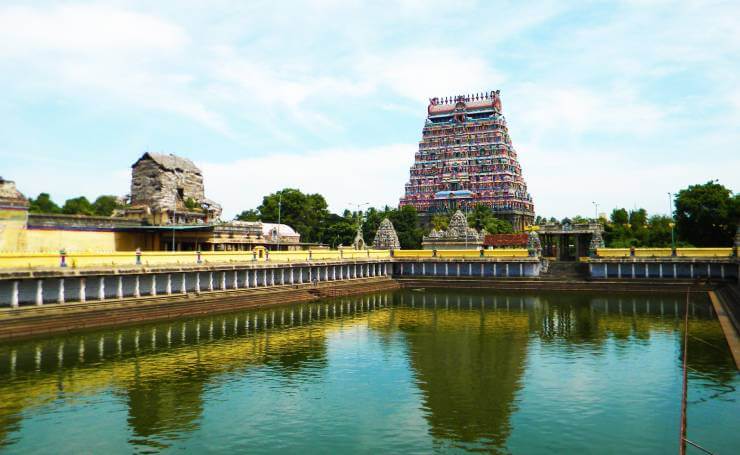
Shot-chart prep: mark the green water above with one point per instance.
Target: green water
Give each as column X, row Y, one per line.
column 410, row 372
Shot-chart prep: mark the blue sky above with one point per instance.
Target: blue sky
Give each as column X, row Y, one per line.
column 617, row 103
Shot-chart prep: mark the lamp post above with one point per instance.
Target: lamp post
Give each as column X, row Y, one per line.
column 359, row 216
column 280, row 206
column 174, row 220
column 672, row 224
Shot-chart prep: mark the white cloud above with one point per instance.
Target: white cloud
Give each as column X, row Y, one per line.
column 422, row 73
column 342, row 176
column 84, row 29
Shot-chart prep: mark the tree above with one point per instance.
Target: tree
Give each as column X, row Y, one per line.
column 659, row 231
column 43, row 204
column 707, row 215
column 406, row 222
column 339, row 231
column 481, row 217
column 306, row 213
column 498, row 226
column 440, row 222
column 619, row 216
column 78, row 206
column 248, row 215
column 105, row 205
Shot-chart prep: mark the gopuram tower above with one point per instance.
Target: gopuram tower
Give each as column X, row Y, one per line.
column 465, row 158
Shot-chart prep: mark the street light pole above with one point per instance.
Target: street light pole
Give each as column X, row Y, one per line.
column 596, row 210
column 673, row 223
column 174, row 220
column 280, row 206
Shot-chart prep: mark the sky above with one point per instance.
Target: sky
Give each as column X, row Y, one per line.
column 617, row 103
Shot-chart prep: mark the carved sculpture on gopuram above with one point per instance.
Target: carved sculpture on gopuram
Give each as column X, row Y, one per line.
column 466, row 158
column 386, row 237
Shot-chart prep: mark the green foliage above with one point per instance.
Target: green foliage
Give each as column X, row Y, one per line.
column 707, row 215
column 659, row 231
column 105, row 205
column 406, row 222
column 248, row 215
column 339, row 231
column 578, row 219
column 43, row 204
column 619, row 216
column 78, row 206
column 498, row 226
column 190, row 204
column 306, row 213
column 481, row 217
column 440, row 222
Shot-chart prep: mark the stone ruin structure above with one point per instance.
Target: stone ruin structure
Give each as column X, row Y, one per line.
column 466, row 158
column 386, row 237
column 168, row 189
column 10, row 196
column 458, row 235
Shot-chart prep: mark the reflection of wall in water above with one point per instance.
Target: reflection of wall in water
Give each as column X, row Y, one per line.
column 160, row 370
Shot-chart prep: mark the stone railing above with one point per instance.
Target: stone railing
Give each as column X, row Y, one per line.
column 157, row 258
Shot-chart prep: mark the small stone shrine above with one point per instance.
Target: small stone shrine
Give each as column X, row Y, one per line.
column 457, row 236
column 386, row 237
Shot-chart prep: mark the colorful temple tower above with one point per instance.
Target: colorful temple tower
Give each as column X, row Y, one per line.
column 465, row 158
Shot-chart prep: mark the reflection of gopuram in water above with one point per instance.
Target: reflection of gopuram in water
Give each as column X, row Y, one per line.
column 468, row 364
column 469, row 351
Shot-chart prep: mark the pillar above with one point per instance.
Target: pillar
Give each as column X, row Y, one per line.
column 675, row 274
column 154, row 285
column 168, row 287
column 482, row 270
column 39, row 292
column 101, row 289
column 82, row 290
column 197, row 281
column 300, row 275
column 660, row 270
column 290, row 276
column 184, row 283
column 282, row 276
column 60, row 296
column 633, row 270
column 619, row 270
column 119, row 287
column 458, row 269
column 264, row 277
column 223, row 281
column 14, row 300
column 272, row 277
column 333, row 272
column 210, row 281
column 507, row 270
column 310, row 274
